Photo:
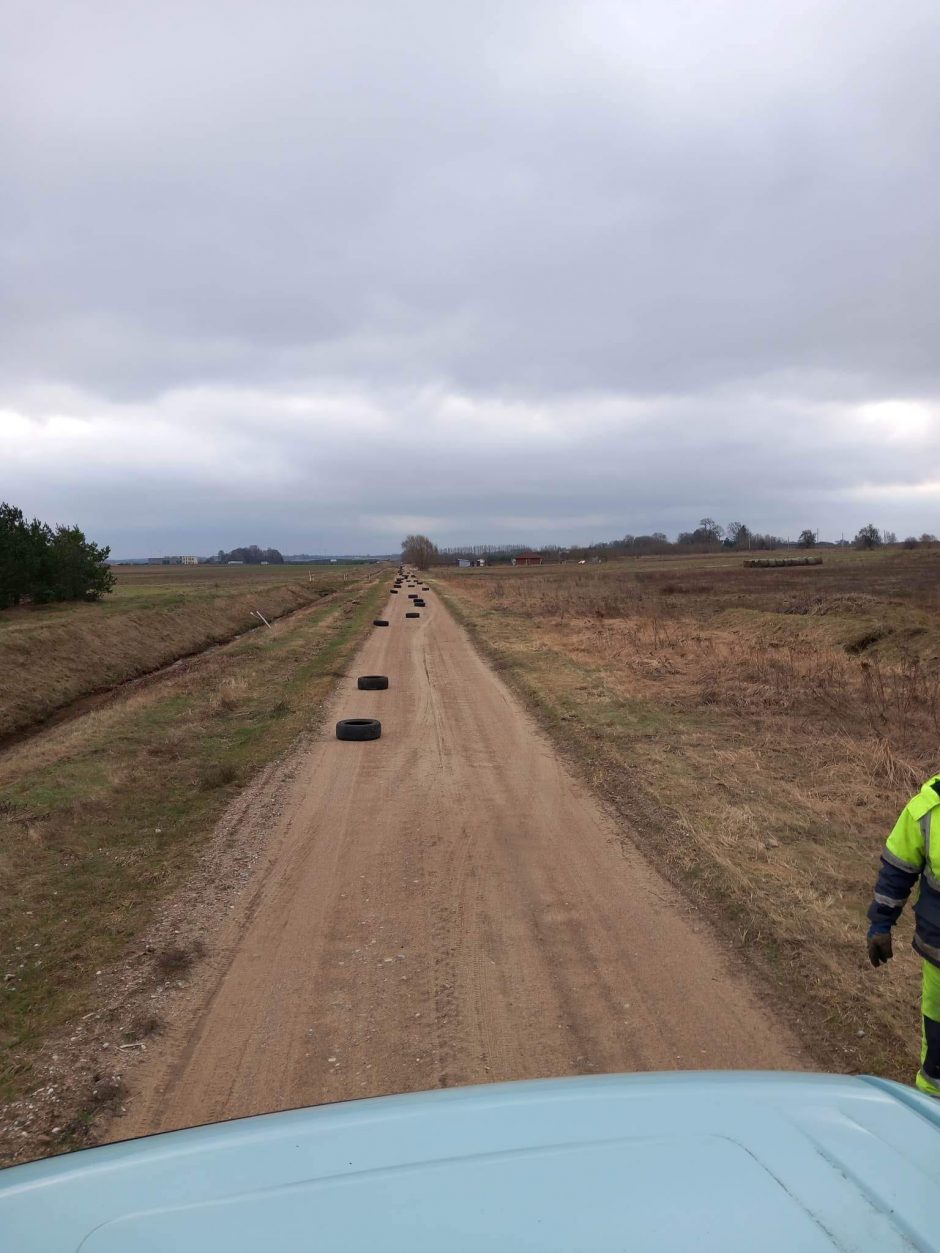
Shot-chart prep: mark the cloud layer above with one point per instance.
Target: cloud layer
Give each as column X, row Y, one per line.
column 310, row 275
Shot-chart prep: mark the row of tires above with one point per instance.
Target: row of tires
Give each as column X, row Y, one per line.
column 360, row 729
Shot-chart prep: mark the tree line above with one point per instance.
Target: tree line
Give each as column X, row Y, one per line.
column 711, row 534
column 708, row 536
column 251, row 556
column 43, row 564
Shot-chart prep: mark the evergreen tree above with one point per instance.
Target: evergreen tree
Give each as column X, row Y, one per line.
column 44, row 565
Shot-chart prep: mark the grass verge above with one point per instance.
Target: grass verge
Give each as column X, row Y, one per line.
column 53, row 655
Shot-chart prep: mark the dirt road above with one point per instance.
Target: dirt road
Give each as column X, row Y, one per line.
column 445, row 905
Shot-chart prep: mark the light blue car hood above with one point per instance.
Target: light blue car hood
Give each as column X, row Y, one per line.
column 641, row 1162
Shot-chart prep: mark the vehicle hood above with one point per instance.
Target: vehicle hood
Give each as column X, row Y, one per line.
column 642, row 1162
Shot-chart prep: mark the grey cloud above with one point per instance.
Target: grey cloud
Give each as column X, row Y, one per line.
column 718, row 219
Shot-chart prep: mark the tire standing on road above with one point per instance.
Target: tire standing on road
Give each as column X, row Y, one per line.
column 358, row 729
column 372, row 682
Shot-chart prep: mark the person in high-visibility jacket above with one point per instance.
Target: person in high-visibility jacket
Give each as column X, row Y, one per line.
column 912, row 854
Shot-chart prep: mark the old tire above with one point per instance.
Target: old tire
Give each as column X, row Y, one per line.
column 412, row 615
column 358, row 729
column 380, row 622
column 419, row 604
column 372, row 682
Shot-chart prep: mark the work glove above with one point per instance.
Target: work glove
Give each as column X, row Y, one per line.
column 879, row 948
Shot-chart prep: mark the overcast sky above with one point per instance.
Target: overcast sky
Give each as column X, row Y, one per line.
column 315, row 275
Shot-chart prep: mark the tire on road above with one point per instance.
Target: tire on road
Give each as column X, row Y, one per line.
column 358, row 729
column 372, row 682
column 380, row 621
column 412, row 615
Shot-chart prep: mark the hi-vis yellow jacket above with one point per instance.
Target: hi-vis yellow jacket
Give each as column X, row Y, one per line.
column 912, row 853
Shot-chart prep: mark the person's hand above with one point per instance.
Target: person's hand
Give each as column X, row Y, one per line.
column 880, row 948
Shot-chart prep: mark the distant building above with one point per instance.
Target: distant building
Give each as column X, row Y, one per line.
column 527, row 559
column 463, row 563
column 190, row 561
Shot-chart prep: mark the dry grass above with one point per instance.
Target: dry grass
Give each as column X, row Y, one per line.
column 53, row 655
column 761, row 729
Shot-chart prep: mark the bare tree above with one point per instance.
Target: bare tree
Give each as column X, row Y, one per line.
column 868, row 537
column 712, row 529
column 419, row 551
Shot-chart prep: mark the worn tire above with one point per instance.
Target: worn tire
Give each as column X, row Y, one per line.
column 372, row 682
column 380, row 622
column 419, row 604
column 412, row 615
column 358, row 729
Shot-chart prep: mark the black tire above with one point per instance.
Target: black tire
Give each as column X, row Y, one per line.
column 412, row 615
column 372, row 682
column 380, row 622
column 358, row 729
column 394, row 591
column 419, row 604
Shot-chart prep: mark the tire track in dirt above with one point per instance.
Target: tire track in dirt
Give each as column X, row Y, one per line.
column 444, row 905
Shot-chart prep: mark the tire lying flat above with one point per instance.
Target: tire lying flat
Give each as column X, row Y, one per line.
column 358, row 729
column 412, row 615
column 372, row 682
column 380, row 622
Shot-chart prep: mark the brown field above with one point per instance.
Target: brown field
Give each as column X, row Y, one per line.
column 51, row 656
column 763, row 728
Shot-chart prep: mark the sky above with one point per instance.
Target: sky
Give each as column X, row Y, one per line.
column 319, row 275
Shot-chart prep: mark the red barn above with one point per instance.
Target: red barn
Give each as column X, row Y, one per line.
column 527, row 559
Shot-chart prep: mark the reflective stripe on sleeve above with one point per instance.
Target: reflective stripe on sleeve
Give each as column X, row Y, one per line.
column 890, row 901
column 893, row 860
